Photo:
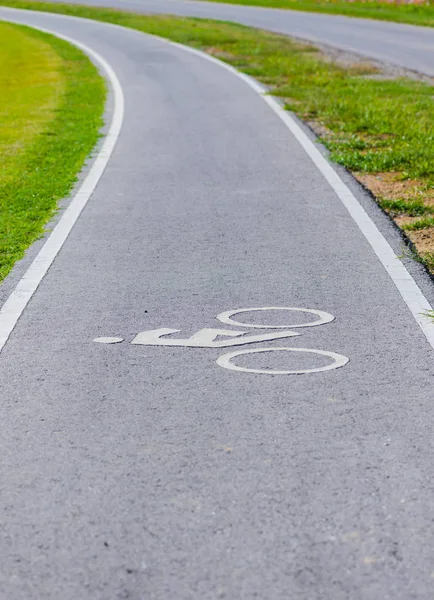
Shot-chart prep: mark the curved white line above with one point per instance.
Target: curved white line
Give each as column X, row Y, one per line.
column 404, row 282
column 225, row 361
column 226, row 317
column 27, row 286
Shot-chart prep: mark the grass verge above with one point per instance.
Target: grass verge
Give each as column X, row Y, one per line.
column 413, row 14
column 378, row 126
column 51, row 105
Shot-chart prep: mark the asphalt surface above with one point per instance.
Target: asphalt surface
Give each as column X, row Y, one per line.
column 151, row 472
column 402, row 45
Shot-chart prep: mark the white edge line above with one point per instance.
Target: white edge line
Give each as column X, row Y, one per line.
column 404, row 282
column 28, row 284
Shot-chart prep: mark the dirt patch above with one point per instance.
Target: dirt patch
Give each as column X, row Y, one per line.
column 423, row 239
column 405, row 220
column 385, row 186
column 319, row 129
column 393, row 187
column 219, row 53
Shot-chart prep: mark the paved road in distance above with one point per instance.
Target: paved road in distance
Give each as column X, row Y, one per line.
column 403, row 45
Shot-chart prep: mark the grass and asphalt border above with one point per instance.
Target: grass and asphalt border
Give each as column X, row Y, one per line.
column 369, row 125
column 28, row 282
column 408, row 288
column 44, row 170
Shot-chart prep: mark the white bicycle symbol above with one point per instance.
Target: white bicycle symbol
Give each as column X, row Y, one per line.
column 211, row 338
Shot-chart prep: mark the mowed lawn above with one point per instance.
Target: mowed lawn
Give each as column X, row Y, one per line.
column 51, row 105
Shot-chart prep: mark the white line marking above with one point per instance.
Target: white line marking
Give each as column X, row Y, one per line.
column 109, row 340
column 26, row 287
column 226, row 317
column 206, row 338
column 225, row 361
column 404, row 282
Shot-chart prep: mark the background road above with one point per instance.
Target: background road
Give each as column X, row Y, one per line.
column 403, row 45
column 152, row 473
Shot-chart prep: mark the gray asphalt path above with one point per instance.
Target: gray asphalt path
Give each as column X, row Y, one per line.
column 150, row 472
column 403, row 45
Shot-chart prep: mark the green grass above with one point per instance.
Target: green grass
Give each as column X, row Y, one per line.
column 412, row 208
column 51, row 105
column 428, row 261
column 370, row 125
column 429, row 314
column 419, row 224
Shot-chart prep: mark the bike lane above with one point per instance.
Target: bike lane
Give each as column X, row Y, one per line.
column 150, row 470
